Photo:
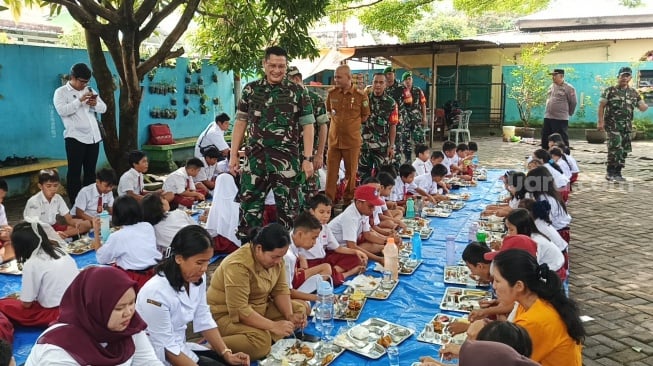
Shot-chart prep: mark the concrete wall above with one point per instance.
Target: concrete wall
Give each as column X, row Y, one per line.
column 31, row 126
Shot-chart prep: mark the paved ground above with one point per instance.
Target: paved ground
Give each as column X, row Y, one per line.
column 610, row 250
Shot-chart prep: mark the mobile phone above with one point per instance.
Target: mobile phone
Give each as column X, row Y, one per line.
column 307, row 337
column 93, row 95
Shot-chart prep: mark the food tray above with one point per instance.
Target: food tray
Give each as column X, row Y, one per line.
column 455, row 205
column 461, row 196
column 371, row 287
column 435, row 212
column 191, row 212
column 497, row 227
column 347, row 308
column 417, row 222
column 460, row 275
column 408, row 266
column 290, row 350
column 365, row 338
column 203, row 205
column 10, row 268
column 462, row 299
column 425, row 233
column 80, row 246
column 442, row 336
column 407, row 233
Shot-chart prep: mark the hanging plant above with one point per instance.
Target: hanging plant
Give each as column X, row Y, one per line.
column 187, row 79
column 172, row 89
column 200, row 80
column 214, row 77
column 173, row 101
column 186, row 99
column 151, row 74
column 189, row 69
column 216, row 101
column 200, row 89
column 186, row 111
column 202, row 99
column 152, row 88
column 203, row 109
column 189, row 89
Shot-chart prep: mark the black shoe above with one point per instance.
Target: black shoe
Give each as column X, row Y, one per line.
column 611, row 171
column 617, row 175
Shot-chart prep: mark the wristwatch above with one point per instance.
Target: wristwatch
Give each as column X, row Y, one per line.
column 309, row 158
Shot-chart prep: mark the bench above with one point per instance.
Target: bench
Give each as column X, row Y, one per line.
column 162, row 157
column 33, row 169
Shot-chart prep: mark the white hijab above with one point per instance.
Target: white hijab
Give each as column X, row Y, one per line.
column 224, row 212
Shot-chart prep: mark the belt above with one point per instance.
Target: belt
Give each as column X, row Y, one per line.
column 145, row 271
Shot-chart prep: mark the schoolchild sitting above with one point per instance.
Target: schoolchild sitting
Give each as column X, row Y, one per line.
column 5, row 228
column 433, row 184
column 180, row 183
column 166, row 222
column 47, row 204
column 132, row 182
column 404, row 186
column 205, row 179
column 422, row 163
column 95, row 198
column 222, row 221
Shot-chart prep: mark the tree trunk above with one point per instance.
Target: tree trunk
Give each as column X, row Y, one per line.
column 237, row 88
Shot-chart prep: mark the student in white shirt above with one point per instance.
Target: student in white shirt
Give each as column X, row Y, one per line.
column 559, row 157
column 205, row 179
column 352, row 227
column 213, row 135
column 222, row 221
column 131, row 182
column 96, row 197
column 404, row 185
column 175, row 296
column 97, row 326
column 344, row 261
column 133, row 247
column 546, row 161
column 422, row 162
column 47, row 272
column 77, row 105
column 302, row 278
column 432, row 184
column 5, row 229
column 540, row 187
column 180, row 183
column 450, row 157
column 515, row 183
column 540, row 211
column 47, row 204
column 167, row 223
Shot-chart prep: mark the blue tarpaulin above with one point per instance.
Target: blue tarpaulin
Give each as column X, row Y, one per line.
column 413, row 303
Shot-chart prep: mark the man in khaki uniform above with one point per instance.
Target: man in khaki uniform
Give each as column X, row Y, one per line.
column 347, row 107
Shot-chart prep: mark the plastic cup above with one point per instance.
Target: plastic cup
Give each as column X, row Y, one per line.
column 393, row 355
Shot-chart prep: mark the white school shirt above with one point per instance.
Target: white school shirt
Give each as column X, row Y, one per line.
column 426, row 183
column 548, row 253
column 131, row 180
column 206, row 172
column 38, row 206
column 573, row 164
column 178, row 181
column 223, row 215
column 132, row 247
column 324, row 241
column 45, row 279
column 566, row 169
column 447, row 162
column 559, row 179
column 3, row 215
column 559, row 218
column 87, row 200
column 421, row 167
column 514, row 203
column 51, row 355
column 290, row 262
column 400, row 189
column 78, row 117
column 167, row 313
column 167, row 228
column 212, row 135
column 551, row 233
column 269, row 199
column 349, row 225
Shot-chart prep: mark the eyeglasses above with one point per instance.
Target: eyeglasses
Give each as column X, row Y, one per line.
column 83, row 81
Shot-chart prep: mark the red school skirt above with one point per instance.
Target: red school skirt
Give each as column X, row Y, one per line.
column 222, row 245
column 35, row 316
column 140, row 276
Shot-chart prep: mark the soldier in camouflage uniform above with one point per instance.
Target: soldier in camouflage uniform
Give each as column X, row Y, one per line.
column 312, row 184
column 395, row 90
column 379, row 131
column 413, row 116
column 616, row 118
column 277, row 114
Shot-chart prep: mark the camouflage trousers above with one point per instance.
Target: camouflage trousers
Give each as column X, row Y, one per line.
column 263, row 173
column 618, row 147
column 371, row 160
column 412, row 134
column 396, row 161
column 309, row 189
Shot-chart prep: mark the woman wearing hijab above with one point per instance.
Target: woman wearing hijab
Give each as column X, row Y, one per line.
column 47, row 272
column 486, row 353
column 222, row 222
column 175, row 296
column 98, row 325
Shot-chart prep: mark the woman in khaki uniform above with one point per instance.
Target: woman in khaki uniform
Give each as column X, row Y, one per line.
column 250, row 298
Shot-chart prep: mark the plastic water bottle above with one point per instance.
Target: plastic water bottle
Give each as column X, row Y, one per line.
column 451, row 250
column 105, row 225
column 418, row 206
column 324, row 305
column 475, row 161
column 473, row 228
column 417, row 245
column 410, row 208
column 391, row 258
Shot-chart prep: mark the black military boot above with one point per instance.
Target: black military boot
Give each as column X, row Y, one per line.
column 610, row 174
column 617, row 175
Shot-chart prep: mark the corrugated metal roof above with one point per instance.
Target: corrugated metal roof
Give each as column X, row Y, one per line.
column 576, row 35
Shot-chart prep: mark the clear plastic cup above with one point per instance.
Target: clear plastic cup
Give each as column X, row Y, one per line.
column 393, row 355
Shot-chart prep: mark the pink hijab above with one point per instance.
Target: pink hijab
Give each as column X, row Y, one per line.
column 85, row 308
column 486, row 353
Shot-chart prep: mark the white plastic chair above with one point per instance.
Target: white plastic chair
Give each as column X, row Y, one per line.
column 462, row 128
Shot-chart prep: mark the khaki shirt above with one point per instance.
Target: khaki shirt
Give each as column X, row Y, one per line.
column 240, row 286
column 347, row 110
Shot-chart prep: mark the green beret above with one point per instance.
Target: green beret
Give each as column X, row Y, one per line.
column 388, row 69
column 406, row 75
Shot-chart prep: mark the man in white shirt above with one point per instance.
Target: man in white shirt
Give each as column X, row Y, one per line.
column 213, row 135
column 77, row 105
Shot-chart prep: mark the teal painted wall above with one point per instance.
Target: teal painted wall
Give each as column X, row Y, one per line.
column 31, row 126
column 583, row 77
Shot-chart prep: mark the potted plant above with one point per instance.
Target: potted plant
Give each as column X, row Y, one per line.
column 216, row 101
column 186, row 99
column 214, row 77
column 594, row 136
column 173, row 101
column 203, row 109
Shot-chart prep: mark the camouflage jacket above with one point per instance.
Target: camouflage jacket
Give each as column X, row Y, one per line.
column 275, row 115
column 618, row 112
column 396, row 91
column 375, row 131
